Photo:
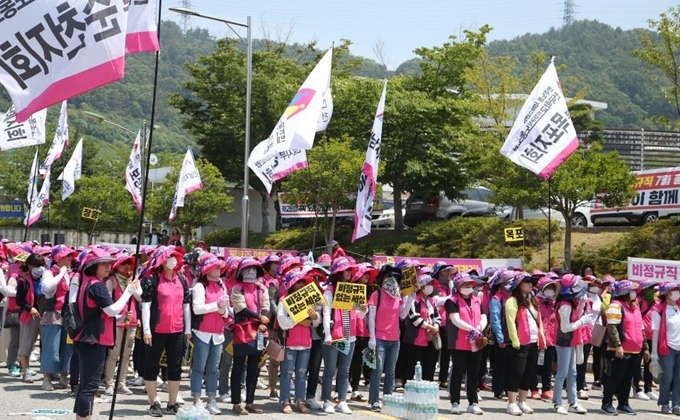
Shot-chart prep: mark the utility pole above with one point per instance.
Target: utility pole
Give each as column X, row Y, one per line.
column 186, row 19
column 569, row 11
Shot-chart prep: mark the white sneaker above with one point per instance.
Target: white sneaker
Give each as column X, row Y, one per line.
column 47, row 385
column 474, row 409
column 583, row 395
column 525, row 408
column 575, row 408
column 641, row 396
column 225, row 398
column 122, row 389
column 514, row 410
column 109, row 390
column 328, row 407
column 163, row 387
column 455, row 409
column 313, row 404
column 260, row 385
column 159, row 381
column 653, row 396
column 479, row 397
column 344, row 408
column 179, row 399
column 559, row 409
column 138, row 381
column 213, row 408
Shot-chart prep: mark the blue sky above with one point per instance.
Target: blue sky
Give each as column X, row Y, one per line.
column 405, row 25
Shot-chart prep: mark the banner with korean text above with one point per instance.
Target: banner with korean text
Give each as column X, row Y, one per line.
column 641, row 269
column 461, row 264
column 348, row 295
column 247, row 252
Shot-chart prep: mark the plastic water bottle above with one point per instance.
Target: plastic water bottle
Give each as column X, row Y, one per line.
column 260, row 341
column 419, row 372
column 541, row 357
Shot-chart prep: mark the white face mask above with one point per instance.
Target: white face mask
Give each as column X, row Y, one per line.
column 214, row 275
column 465, row 291
column 594, row 290
column 171, row 263
column 549, row 294
column 674, row 295
column 428, row 289
column 633, row 295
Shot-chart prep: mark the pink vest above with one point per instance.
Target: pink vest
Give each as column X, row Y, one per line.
column 587, row 330
column 523, row 331
column 62, row 290
column 212, row 322
column 632, row 328
column 647, row 309
column 170, row 296
column 106, row 331
column 338, row 331
column 254, row 302
column 547, row 308
column 663, row 332
column 421, row 337
column 471, row 314
column 299, row 335
column 386, row 316
column 362, row 328
column 130, row 306
column 486, row 298
column 576, row 336
column 25, row 316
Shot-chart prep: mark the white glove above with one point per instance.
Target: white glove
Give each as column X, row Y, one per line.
column 655, row 357
column 371, row 343
column 328, row 338
column 132, row 287
column 587, row 319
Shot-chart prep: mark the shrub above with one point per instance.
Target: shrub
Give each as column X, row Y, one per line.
column 231, row 237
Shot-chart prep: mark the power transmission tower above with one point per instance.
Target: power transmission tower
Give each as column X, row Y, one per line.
column 186, row 19
column 569, row 11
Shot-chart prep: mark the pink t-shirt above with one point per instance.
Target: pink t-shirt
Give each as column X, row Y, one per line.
column 386, row 316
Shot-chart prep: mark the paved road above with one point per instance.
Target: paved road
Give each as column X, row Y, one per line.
column 17, row 397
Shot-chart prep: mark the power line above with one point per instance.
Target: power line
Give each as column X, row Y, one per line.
column 185, row 18
column 569, row 11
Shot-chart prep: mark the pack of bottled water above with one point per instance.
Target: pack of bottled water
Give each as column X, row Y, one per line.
column 393, row 406
column 192, row 413
column 419, row 402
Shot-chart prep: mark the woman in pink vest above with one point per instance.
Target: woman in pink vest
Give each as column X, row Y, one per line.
column 571, row 317
column 97, row 310
column 625, row 342
column 465, row 322
column 8, row 287
column 251, row 317
column 166, row 323
column 646, row 299
column 546, row 293
column 443, row 274
column 666, row 346
column 297, row 339
column 29, row 294
column 338, row 326
column 594, row 306
column 211, row 311
column 55, row 355
column 363, row 273
column 126, row 325
column 272, row 265
column 526, row 338
column 499, row 362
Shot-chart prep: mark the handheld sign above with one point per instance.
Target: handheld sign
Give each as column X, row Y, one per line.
column 349, row 295
column 164, row 359
column 299, row 302
column 342, row 345
column 409, row 281
column 514, row 234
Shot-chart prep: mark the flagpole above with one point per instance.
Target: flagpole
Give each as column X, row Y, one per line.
column 34, row 170
column 549, row 223
column 140, row 228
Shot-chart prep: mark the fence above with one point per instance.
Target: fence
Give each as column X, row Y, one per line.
column 644, row 149
column 71, row 237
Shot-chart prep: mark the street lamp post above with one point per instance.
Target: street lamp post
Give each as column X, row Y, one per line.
column 245, row 201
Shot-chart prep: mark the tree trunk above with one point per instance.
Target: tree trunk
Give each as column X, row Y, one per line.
column 187, row 235
column 277, row 207
column 266, row 199
column 398, row 217
column 567, row 245
column 331, row 236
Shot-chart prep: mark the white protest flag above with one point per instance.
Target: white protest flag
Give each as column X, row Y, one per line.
column 38, row 201
column 295, row 131
column 543, row 136
column 72, row 172
column 33, row 179
column 368, row 180
column 60, row 140
column 31, row 132
column 133, row 172
column 188, row 182
column 53, row 50
column 142, row 30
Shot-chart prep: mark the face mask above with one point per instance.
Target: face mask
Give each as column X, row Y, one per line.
column 594, row 290
column 171, row 263
column 214, row 275
column 674, row 295
column 249, row 275
column 428, row 290
column 548, row 294
column 466, row 291
column 391, row 286
column 633, row 295
column 37, row 272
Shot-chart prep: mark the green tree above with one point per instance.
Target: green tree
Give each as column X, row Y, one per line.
column 200, row 207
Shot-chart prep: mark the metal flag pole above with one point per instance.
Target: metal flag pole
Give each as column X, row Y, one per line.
column 34, row 169
column 140, row 228
column 549, row 224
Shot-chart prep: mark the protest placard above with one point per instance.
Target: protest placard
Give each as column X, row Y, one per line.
column 299, row 302
column 409, row 281
column 349, row 295
column 514, row 234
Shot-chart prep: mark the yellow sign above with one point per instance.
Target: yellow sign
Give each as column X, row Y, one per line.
column 297, row 303
column 229, row 348
column 349, row 295
column 88, row 213
column 164, row 359
column 409, row 281
column 189, row 353
column 69, row 340
column 514, row 234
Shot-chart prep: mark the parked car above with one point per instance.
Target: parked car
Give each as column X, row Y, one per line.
column 530, row 214
column 475, row 203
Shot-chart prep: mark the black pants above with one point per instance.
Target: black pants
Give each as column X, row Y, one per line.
column 465, row 362
column 444, row 359
column 314, row 368
column 91, row 359
column 597, row 363
column 357, row 366
column 499, row 363
column 251, row 364
column 545, row 371
column 427, row 356
column 619, row 376
column 581, row 369
column 75, row 370
column 138, row 356
column 647, row 375
column 173, row 344
column 522, row 367
column 483, row 366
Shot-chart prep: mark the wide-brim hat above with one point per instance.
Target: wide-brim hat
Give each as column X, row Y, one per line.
column 519, row 279
column 387, row 270
column 461, row 279
column 248, row 263
column 61, row 251
column 295, row 277
column 646, row 285
column 123, row 259
column 208, row 262
column 162, row 254
column 271, row 259
column 95, row 256
column 576, row 291
column 424, row 280
column 316, row 270
column 502, row 277
column 440, row 267
column 545, row 281
column 287, row 262
column 623, row 287
column 364, row 268
column 340, row 264
column 668, row 287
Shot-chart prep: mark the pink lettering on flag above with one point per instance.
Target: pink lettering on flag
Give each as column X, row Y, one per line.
column 559, row 159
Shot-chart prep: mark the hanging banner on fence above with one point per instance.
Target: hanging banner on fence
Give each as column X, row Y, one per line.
column 299, row 302
column 409, row 281
column 641, row 269
column 247, row 252
column 348, row 295
column 12, row 209
column 514, row 234
column 461, row 264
